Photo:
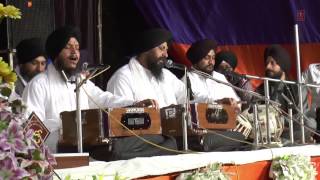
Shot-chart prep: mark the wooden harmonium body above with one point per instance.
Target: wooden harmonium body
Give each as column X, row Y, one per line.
column 97, row 125
column 203, row 116
column 126, row 121
column 213, row 116
column 92, row 127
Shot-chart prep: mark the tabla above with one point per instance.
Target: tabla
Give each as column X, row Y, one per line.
column 276, row 123
column 243, row 124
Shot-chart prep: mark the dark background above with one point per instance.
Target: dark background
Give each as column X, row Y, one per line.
column 121, row 21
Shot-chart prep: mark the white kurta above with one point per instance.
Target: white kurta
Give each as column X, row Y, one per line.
column 207, row 91
column 48, row 95
column 135, row 82
column 312, row 76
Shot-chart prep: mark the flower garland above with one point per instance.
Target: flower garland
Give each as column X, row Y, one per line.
column 293, row 167
column 9, row 12
column 20, row 156
column 211, row 172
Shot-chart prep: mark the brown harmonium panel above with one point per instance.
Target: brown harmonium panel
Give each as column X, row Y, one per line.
column 171, row 120
column 92, row 127
column 213, row 116
column 124, row 121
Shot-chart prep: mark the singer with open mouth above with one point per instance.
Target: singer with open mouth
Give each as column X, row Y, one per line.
column 50, row 93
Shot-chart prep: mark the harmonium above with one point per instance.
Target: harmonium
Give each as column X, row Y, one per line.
column 120, row 122
column 117, row 122
column 202, row 116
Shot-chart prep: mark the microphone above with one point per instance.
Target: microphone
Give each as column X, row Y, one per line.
column 170, row 64
column 88, row 67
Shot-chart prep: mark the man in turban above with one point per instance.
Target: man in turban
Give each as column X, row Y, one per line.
column 31, row 58
column 226, row 63
column 205, row 90
column 144, row 77
column 202, row 56
column 50, row 93
column 277, row 66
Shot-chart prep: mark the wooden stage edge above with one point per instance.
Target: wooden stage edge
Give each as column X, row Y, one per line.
column 251, row 171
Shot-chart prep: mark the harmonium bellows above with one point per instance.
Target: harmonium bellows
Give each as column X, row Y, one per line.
column 92, row 127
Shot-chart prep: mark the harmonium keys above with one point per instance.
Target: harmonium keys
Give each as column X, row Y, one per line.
column 213, row 116
column 133, row 120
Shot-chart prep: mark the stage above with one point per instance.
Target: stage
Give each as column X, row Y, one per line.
column 241, row 164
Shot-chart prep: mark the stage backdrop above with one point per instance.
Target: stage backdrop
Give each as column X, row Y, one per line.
column 243, row 27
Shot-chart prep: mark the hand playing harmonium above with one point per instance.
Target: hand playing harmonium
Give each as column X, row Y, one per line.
column 147, row 103
column 232, row 102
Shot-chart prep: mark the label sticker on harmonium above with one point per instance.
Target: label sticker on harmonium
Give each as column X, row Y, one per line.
column 170, row 113
column 134, row 110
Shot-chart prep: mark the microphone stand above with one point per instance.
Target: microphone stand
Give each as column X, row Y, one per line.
column 290, row 118
column 266, row 99
column 78, row 82
column 78, row 112
column 257, row 95
column 186, row 114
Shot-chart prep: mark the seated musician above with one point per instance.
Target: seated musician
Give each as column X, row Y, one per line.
column 204, row 90
column 277, row 65
column 226, row 63
column 48, row 94
column 144, row 77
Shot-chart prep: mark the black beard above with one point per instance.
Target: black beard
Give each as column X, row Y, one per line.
column 155, row 68
column 272, row 74
column 59, row 65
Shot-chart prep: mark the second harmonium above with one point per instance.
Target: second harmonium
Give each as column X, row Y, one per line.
column 213, row 116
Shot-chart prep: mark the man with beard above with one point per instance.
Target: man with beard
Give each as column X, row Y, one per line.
column 226, row 63
column 31, row 61
column 144, row 77
column 277, row 63
column 205, row 90
column 49, row 94
column 202, row 56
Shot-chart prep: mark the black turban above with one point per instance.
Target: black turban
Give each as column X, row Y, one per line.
column 150, row 39
column 200, row 49
column 227, row 56
column 280, row 55
column 29, row 49
column 59, row 38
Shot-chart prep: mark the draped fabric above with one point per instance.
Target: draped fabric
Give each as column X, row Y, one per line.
column 243, row 27
column 82, row 14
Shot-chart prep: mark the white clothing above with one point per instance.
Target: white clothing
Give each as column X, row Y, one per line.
column 312, row 76
column 207, row 90
column 137, row 83
column 47, row 94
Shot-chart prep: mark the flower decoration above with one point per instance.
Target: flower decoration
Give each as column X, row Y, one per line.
column 9, row 12
column 6, row 74
column 293, row 167
column 212, row 171
column 20, row 156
